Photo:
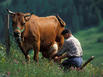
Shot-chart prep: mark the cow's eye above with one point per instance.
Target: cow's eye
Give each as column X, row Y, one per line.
column 14, row 23
column 23, row 23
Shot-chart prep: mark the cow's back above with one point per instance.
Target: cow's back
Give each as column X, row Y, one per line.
column 47, row 28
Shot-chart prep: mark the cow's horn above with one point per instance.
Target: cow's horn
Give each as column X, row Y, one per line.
column 10, row 12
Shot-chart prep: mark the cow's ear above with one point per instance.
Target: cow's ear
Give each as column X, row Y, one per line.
column 27, row 17
column 63, row 24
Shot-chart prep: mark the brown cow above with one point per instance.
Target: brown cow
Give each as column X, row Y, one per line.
column 37, row 33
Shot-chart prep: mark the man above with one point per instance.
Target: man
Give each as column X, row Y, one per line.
column 73, row 50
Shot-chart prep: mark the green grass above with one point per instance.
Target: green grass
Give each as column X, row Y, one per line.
column 15, row 66
column 91, row 46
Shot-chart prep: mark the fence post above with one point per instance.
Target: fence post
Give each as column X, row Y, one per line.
column 7, row 34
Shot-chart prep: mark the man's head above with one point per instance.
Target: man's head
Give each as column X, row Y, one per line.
column 66, row 33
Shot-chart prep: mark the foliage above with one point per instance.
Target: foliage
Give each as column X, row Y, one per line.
column 78, row 14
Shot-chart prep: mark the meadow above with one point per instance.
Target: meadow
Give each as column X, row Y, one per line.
column 92, row 43
column 14, row 65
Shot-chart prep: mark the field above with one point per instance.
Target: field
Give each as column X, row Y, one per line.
column 92, row 43
column 15, row 66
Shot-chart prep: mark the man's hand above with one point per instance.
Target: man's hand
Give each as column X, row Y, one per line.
column 57, row 58
column 61, row 57
column 57, row 55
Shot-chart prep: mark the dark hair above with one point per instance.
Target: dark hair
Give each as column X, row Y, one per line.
column 66, row 31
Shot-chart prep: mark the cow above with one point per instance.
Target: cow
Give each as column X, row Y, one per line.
column 38, row 33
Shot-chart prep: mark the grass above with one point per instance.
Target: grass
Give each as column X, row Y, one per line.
column 91, row 46
column 15, row 66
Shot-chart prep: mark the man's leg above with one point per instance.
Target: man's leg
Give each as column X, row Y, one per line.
column 77, row 62
column 72, row 62
column 66, row 64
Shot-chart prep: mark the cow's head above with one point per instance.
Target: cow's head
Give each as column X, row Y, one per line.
column 18, row 22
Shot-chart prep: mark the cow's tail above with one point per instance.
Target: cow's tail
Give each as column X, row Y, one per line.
column 61, row 21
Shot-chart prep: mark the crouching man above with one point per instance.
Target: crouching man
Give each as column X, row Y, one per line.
column 72, row 49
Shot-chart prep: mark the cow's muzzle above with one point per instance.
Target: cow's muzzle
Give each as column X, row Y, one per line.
column 17, row 35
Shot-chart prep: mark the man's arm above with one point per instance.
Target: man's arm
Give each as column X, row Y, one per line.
column 63, row 50
column 61, row 57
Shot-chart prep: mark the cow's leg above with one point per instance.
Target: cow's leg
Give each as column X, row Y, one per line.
column 36, row 51
column 25, row 52
column 27, row 57
column 43, row 54
column 60, row 42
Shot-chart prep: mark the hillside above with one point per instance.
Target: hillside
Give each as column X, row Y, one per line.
column 92, row 43
column 15, row 65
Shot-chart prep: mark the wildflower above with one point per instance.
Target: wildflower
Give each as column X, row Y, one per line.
column 8, row 74
column 16, row 61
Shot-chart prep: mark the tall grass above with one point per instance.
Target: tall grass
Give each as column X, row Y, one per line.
column 15, row 65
